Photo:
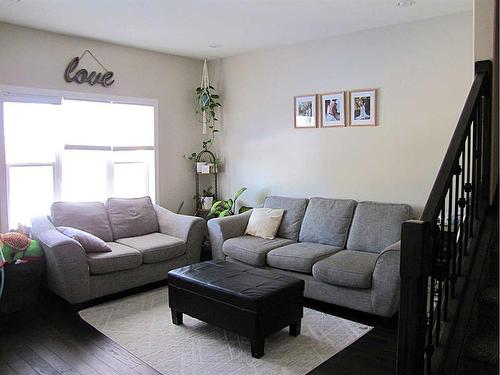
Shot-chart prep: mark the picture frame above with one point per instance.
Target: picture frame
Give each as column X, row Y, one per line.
column 363, row 107
column 305, row 111
column 333, row 109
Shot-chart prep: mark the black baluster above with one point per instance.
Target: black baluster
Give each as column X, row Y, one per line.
column 473, row 205
column 461, row 204
column 429, row 348
column 448, row 252
column 467, row 189
column 458, row 170
column 439, row 274
column 479, row 167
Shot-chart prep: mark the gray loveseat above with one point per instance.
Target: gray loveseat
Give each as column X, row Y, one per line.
column 146, row 242
column 347, row 252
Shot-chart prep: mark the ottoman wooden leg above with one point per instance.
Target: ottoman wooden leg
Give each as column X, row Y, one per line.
column 257, row 347
column 176, row 317
column 295, row 328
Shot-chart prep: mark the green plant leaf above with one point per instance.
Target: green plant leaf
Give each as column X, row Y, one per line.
column 215, row 208
column 239, row 192
column 225, row 213
column 244, row 209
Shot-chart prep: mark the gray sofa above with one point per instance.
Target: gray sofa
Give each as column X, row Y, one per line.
column 347, row 252
column 146, row 242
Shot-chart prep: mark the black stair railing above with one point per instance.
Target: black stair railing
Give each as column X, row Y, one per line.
column 437, row 251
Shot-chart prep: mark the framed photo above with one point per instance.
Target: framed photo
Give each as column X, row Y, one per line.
column 364, row 107
column 305, row 111
column 332, row 109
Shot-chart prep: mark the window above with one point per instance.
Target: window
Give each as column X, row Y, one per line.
column 75, row 150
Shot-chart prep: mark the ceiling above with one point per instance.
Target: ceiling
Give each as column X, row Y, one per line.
column 189, row 27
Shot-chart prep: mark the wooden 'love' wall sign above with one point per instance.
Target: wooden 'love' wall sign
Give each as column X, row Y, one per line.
column 72, row 74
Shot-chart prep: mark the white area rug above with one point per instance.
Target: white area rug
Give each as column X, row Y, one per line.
column 142, row 324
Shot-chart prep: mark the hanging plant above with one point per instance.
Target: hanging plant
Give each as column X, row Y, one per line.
column 207, row 101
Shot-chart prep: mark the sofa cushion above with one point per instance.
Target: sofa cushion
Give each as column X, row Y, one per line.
column 155, row 247
column 300, row 256
column 292, row 218
column 264, row 222
column 89, row 242
column 252, row 250
column 120, row 258
column 130, row 217
column 327, row 221
column 347, row 268
column 376, row 225
column 90, row 217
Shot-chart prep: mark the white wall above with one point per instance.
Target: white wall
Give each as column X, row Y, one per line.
column 38, row 59
column 422, row 70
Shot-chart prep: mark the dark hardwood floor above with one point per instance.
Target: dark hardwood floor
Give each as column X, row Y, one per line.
column 52, row 339
column 372, row 354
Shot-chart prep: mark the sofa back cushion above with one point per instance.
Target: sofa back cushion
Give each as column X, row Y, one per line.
column 130, row 217
column 376, row 225
column 292, row 217
column 327, row 221
column 90, row 217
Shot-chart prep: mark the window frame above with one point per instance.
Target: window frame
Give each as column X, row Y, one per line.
column 30, row 92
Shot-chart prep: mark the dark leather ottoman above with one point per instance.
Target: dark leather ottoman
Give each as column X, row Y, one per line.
column 245, row 300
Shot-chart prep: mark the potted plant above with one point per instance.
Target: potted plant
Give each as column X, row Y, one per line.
column 207, row 101
column 227, row 207
column 207, row 199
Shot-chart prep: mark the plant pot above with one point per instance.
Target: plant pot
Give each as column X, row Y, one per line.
column 205, row 168
column 207, row 202
column 199, row 166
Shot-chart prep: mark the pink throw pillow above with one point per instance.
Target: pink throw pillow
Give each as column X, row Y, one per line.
column 89, row 242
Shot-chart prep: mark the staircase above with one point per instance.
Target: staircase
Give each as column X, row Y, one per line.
column 480, row 351
column 448, row 313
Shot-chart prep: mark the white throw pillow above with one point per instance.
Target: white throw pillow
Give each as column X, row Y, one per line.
column 264, row 222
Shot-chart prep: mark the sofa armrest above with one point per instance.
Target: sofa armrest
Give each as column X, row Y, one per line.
column 223, row 228
column 67, row 266
column 386, row 281
column 188, row 228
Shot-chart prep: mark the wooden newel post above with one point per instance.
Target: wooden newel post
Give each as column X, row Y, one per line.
column 414, row 270
column 485, row 67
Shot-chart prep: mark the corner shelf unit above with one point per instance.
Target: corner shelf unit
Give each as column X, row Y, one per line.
column 208, row 157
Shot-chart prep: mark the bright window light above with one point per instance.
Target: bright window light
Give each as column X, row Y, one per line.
column 76, row 151
column 84, row 176
column 130, row 179
column 31, row 191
